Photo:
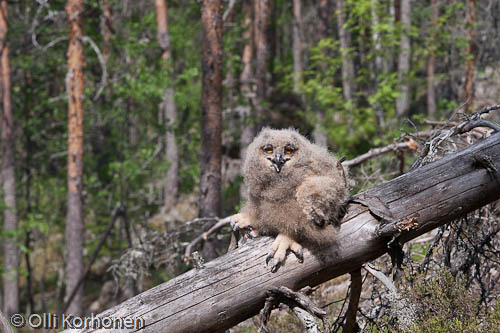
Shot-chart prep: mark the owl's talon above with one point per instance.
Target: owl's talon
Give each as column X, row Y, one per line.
column 270, row 255
column 276, row 265
column 300, row 255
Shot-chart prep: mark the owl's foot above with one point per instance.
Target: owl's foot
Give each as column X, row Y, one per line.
column 281, row 244
column 241, row 222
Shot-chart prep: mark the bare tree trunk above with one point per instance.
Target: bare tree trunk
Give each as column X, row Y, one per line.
column 106, row 28
column 262, row 16
column 211, row 108
column 10, row 250
column 74, row 219
column 246, row 111
column 233, row 288
column 403, row 101
column 345, row 44
column 431, row 92
column 324, row 17
column 471, row 52
column 169, row 110
column 379, row 67
column 298, row 45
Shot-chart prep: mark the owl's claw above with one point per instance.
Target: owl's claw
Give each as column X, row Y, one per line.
column 241, row 223
column 279, row 248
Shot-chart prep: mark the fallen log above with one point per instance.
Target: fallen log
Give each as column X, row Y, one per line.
column 232, row 288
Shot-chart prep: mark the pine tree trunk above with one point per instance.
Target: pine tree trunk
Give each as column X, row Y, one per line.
column 403, row 101
column 323, row 13
column 106, row 28
column 211, row 108
column 345, row 44
column 431, row 92
column 246, row 111
column 262, row 16
column 10, row 223
column 298, row 47
column 74, row 219
column 169, row 110
column 471, row 52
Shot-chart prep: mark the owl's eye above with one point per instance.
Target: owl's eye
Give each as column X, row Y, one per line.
column 289, row 150
column 268, row 149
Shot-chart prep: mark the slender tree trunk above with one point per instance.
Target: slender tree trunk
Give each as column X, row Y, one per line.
column 106, row 28
column 211, row 108
column 246, row 111
column 298, row 45
column 403, row 101
column 74, row 218
column 169, row 110
column 345, row 44
column 10, row 250
column 471, row 52
column 323, row 13
column 378, row 62
column 262, row 16
column 431, row 92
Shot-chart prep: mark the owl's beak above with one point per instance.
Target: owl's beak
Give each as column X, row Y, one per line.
column 278, row 162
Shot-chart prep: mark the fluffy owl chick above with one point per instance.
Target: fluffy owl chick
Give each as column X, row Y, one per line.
column 296, row 192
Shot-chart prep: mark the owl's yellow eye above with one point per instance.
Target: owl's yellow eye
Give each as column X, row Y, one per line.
column 288, row 152
column 268, row 149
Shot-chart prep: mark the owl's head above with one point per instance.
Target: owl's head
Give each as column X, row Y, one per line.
column 276, row 153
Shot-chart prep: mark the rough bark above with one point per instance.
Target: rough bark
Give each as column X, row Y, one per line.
column 403, row 100
column 471, row 52
column 431, row 92
column 169, row 109
column 11, row 252
column 262, row 16
column 298, row 45
column 74, row 218
column 233, row 287
column 211, row 108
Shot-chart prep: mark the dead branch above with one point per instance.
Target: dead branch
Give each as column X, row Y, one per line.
column 233, row 287
column 299, row 303
column 356, row 285
column 379, row 151
column 204, row 236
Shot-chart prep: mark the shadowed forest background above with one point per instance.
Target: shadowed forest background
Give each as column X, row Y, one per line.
column 122, row 142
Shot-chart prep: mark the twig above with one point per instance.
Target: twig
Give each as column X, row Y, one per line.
column 471, row 122
column 379, row 151
column 356, row 285
column 228, row 11
column 382, row 278
column 299, row 303
column 102, row 61
column 118, row 211
column 204, row 236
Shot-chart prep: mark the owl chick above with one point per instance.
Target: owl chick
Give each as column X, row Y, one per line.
column 296, row 192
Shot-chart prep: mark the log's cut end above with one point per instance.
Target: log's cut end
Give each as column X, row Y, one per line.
column 232, row 288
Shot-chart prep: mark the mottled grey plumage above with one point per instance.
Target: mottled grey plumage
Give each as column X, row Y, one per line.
column 296, row 192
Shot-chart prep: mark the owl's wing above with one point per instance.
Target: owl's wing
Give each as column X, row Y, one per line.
column 322, row 199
